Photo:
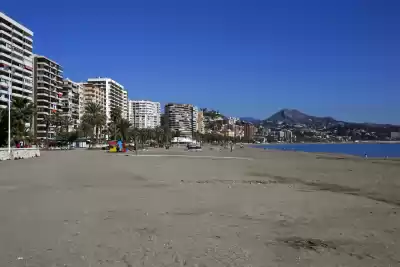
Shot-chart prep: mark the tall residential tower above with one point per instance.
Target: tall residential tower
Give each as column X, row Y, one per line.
column 70, row 103
column 16, row 65
column 48, row 83
column 115, row 95
column 181, row 118
column 144, row 114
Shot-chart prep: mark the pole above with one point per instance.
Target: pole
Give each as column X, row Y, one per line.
column 9, row 116
column 192, row 122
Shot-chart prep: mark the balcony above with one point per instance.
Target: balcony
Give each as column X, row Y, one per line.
column 21, row 96
column 43, row 99
column 6, row 32
column 43, row 106
column 23, row 90
column 6, row 48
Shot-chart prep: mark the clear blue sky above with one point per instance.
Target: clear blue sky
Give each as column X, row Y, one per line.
column 245, row 58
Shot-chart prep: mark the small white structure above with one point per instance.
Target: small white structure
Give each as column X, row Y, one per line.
column 181, row 140
column 19, row 153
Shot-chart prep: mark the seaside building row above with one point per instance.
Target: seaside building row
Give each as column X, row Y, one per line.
column 41, row 80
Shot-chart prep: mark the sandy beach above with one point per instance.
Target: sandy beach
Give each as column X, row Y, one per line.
column 249, row 207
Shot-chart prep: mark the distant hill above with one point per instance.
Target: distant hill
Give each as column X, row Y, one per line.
column 251, row 120
column 293, row 116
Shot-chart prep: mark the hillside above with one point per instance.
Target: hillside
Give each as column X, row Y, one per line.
column 293, row 116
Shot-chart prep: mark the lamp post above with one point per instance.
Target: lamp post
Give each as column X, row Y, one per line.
column 9, row 115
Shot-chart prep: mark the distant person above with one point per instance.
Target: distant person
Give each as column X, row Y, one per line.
column 119, row 146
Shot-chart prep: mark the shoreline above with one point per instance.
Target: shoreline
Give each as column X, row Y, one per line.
column 332, row 154
column 332, row 143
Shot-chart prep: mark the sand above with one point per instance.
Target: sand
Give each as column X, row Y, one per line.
column 177, row 208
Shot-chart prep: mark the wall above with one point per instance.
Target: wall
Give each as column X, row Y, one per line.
column 19, row 153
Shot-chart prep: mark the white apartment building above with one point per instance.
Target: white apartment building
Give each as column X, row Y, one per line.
column 144, row 114
column 195, row 119
column 70, row 103
column 125, row 109
column 182, row 118
column 48, row 83
column 16, row 65
column 114, row 93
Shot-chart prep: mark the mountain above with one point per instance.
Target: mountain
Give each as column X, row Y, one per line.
column 293, row 116
column 251, row 120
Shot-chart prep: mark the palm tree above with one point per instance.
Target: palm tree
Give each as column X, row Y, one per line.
column 85, row 129
column 22, row 112
column 116, row 116
column 144, row 135
column 66, row 121
column 134, row 135
column 167, row 135
column 95, row 117
column 159, row 132
column 123, row 128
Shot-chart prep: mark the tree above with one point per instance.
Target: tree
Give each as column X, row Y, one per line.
column 167, row 136
column 116, row 117
column 85, row 129
column 134, row 135
column 95, row 117
column 144, row 135
column 66, row 121
column 22, row 112
column 123, row 128
column 159, row 134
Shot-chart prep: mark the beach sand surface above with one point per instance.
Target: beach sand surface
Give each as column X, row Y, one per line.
column 249, row 207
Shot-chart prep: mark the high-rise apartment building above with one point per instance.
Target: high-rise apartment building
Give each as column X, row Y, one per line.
column 200, row 122
column 93, row 94
column 16, row 65
column 115, row 95
column 82, row 101
column 144, row 114
column 48, row 83
column 181, row 118
column 70, row 105
column 125, row 108
column 249, row 131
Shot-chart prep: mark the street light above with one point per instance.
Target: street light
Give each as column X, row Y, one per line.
column 9, row 116
column 9, row 109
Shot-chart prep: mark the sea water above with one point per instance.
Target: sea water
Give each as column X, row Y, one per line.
column 357, row 149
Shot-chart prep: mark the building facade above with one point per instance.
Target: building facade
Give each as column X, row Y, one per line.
column 70, row 103
column 115, row 95
column 144, row 114
column 249, row 131
column 125, row 108
column 181, row 118
column 48, row 84
column 93, row 94
column 16, row 60
column 200, row 122
column 82, row 101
